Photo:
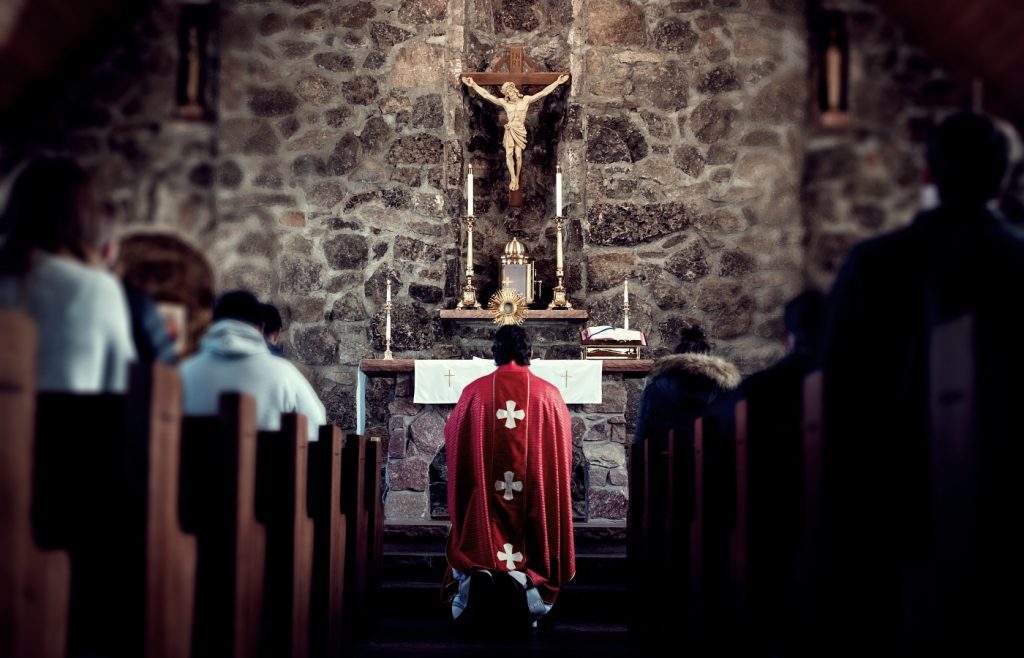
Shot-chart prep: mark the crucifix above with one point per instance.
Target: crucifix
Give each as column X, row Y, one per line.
column 515, row 105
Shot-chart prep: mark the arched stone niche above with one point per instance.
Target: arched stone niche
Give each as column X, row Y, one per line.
column 170, row 270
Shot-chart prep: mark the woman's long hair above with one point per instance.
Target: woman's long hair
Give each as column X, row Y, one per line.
column 49, row 208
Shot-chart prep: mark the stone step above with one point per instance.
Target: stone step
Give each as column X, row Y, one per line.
column 414, row 563
column 418, row 554
column 579, row 601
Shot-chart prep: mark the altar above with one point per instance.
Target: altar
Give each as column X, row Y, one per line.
column 416, row 473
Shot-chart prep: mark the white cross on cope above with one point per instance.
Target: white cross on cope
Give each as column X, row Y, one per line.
column 510, row 414
column 510, row 557
column 508, row 486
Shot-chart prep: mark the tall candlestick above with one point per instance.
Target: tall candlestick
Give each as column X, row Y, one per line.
column 625, row 304
column 558, row 252
column 387, row 322
column 469, row 193
column 558, row 191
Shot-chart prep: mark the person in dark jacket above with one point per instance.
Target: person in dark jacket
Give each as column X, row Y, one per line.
column 958, row 259
column 681, row 386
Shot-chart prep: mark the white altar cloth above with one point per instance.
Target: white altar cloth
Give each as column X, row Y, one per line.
column 442, row 381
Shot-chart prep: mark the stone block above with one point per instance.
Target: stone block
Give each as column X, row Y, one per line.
column 615, row 23
column 607, row 269
column 610, row 504
column 598, row 475
column 618, row 477
column 315, row 345
column 405, row 506
column 272, row 102
column 407, row 474
column 605, row 453
column 422, row 11
column 418, row 64
column 689, row 260
column 346, row 251
column 711, row 121
column 427, row 431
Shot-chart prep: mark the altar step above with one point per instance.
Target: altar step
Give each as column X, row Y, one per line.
column 414, row 564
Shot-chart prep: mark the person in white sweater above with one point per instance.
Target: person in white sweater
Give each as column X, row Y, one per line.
column 233, row 357
column 49, row 227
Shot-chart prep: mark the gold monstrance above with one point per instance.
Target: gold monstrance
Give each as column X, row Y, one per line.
column 517, row 268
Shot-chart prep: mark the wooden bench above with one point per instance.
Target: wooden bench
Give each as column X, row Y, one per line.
column 353, row 497
column 154, row 423
column 374, row 522
column 35, row 583
column 281, row 505
column 329, row 544
column 218, row 504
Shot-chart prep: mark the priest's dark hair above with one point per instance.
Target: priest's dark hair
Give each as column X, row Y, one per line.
column 692, row 339
column 512, row 343
column 967, row 157
column 239, row 305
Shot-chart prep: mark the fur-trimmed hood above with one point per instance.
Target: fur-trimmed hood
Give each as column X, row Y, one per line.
column 718, row 370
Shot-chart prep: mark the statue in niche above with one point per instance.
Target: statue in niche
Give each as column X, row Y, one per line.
column 516, row 106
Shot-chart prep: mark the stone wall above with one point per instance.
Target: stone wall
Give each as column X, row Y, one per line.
column 864, row 179
column 337, row 146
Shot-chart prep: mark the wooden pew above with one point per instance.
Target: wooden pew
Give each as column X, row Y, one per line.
column 738, row 535
column 281, row 505
column 353, row 497
column 651, row 545
column 714, row 477
column 34, row 582
column 697, row 535
column 936, row 590
column 329, row 526
column 808, row 557
column 374, row 522
column 154, row 424
column 218, row 504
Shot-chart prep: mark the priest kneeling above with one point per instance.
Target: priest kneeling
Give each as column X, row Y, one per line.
column 509, row 451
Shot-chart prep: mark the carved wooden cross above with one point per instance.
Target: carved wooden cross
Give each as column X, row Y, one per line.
column 512, row 62
column 517, row 68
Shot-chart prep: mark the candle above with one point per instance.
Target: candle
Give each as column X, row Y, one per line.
column 625, row 292
column 469, row 192
column 558, row 191
column 389, row 290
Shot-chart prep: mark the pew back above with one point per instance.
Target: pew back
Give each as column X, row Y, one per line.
column 218, row 504
column 34, row 583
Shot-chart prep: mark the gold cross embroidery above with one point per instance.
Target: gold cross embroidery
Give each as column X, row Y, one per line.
column 565, row 376
column 449, row 376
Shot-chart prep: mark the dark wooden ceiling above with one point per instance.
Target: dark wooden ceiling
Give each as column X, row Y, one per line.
column 971, row 39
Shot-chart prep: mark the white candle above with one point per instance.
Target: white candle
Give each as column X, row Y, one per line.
column 469, row 192
column 558, row 191
column 625, row 291
column 389, row 290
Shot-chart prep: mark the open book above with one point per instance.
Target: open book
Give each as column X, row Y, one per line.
column 612, row 334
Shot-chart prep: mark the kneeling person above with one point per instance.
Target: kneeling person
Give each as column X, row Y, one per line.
column 509, row 453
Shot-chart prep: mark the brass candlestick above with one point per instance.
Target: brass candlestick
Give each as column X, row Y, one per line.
column 625, row 304
column 468, row 290
column 387, row 324
column 559, row 300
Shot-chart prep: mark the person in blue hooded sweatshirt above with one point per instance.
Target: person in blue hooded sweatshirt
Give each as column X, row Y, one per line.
column 233, row 357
